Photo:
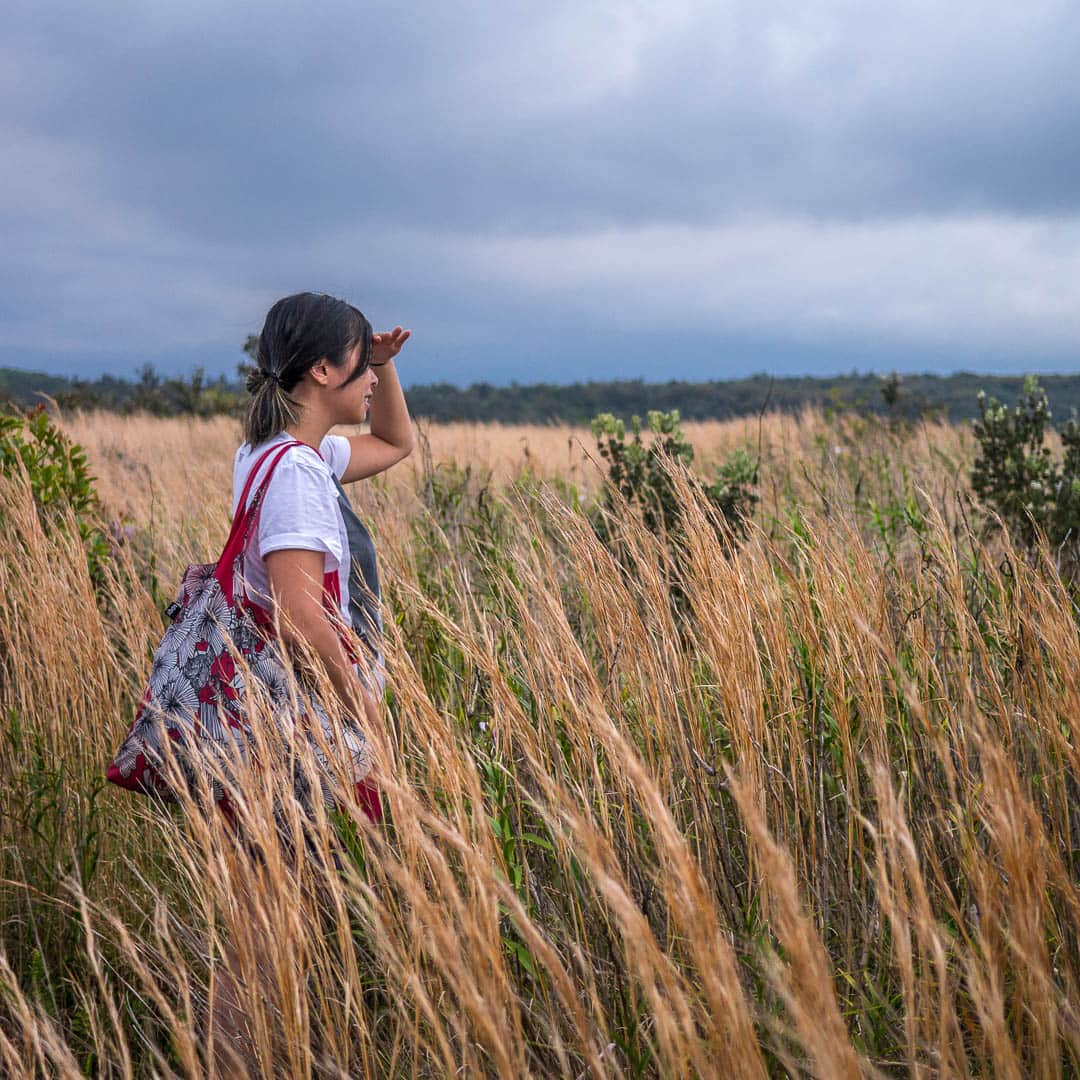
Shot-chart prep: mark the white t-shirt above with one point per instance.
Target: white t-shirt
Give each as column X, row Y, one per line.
column 299, row 509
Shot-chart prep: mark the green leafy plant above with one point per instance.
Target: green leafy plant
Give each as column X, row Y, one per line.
column 1015, row 472
column 637, row 471
column 890, row 390
column 59, row 478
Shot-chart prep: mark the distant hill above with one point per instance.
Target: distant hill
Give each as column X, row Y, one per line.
column 953, row 396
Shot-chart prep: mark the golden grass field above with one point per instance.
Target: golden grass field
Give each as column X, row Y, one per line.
column 820, row 817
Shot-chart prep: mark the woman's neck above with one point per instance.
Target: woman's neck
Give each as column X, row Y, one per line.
column 310, row 429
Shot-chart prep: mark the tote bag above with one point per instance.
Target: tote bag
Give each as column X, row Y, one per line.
column 192, row 708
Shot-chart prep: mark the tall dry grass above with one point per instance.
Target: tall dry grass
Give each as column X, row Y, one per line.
column 818, row 816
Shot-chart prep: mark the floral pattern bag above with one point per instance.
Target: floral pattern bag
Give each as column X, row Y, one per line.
column 195, row 694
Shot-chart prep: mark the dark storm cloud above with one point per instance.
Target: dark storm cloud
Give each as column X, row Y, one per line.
column 242, row 121
column 176, row 166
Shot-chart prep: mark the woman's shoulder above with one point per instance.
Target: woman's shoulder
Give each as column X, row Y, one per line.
column 301, row 476
column 304, row 457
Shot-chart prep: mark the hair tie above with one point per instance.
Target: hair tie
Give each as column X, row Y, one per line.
column 259, row 377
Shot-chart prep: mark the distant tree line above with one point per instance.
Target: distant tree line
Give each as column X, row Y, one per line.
column 911, row 396
column 190, row 395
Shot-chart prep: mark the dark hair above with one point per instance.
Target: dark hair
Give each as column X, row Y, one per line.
column 299, row 331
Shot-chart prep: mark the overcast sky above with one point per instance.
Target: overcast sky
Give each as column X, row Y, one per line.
column 546, row 190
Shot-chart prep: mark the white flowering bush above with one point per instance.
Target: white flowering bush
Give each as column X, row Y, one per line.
column 1015, row 472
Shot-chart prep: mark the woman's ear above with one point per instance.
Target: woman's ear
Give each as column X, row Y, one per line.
column 320, row 371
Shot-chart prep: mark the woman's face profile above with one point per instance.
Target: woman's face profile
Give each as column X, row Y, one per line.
column 355, row 399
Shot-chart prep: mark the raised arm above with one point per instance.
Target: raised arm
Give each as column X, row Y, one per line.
column 391, row 437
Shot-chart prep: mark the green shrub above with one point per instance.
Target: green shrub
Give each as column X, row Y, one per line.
column 58, row 475
column 636, row 470
column 890, row 391
column 1015, row 472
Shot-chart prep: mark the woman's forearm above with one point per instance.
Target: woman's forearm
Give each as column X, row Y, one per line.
column 389, row 415
column 323, row 639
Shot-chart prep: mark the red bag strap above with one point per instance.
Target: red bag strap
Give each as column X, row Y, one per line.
column 257, row 499
column 245, row 522
column 246, row 518
column 242, row 504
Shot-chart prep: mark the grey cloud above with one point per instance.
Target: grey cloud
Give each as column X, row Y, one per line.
column 178, row 166
column 239, row 121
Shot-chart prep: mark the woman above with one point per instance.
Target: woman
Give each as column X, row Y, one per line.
column 319, row 365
